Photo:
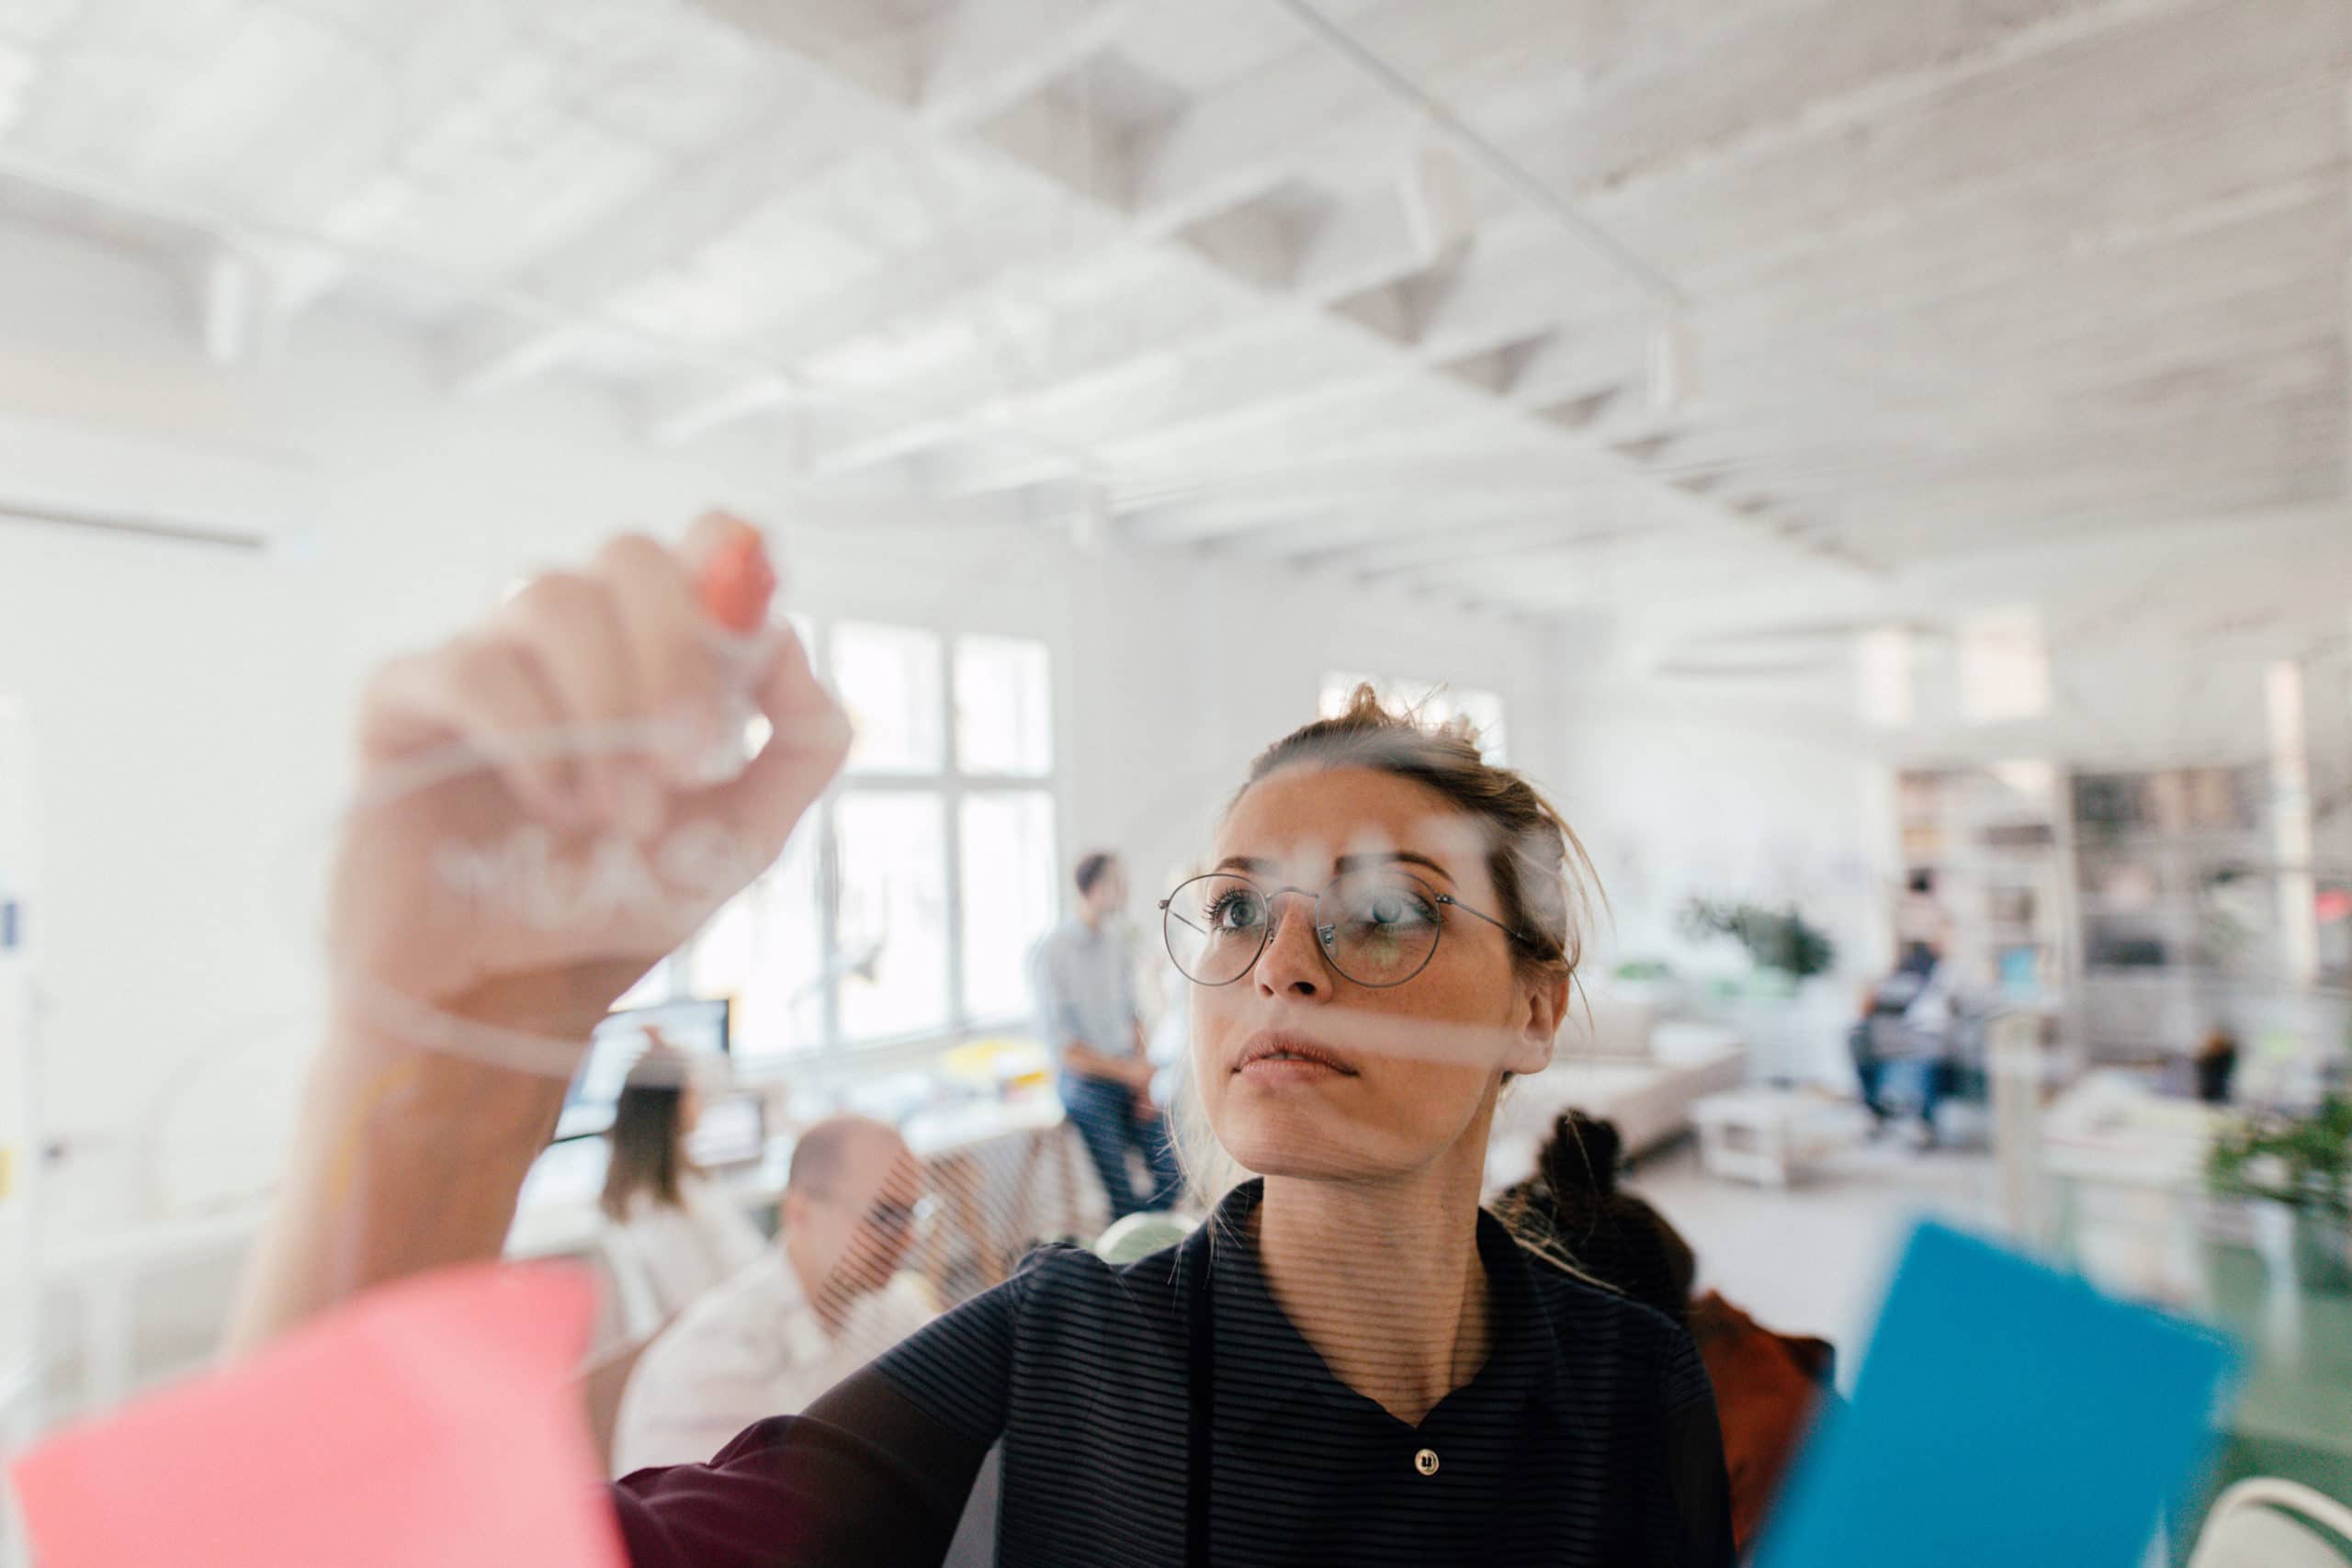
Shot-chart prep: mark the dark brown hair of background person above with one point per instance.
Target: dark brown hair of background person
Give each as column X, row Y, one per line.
column 1769, row 1387
column 649, row 1144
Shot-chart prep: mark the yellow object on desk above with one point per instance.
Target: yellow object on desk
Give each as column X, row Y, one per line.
column 1009, row 1063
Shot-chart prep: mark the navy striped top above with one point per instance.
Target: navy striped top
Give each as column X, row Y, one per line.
column 1587, row 1439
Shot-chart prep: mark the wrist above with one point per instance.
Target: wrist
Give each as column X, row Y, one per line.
column 454, row 1093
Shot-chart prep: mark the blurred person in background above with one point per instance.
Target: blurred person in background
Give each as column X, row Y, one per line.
column 669, row 1235
column 1922, row 927
column 1351, row 1361
column 812, row 1309
column 1770, row 1388
column 1084, row 980
column 1903, row 1040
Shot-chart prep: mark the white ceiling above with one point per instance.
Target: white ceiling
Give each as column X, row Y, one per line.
column 1963, row 276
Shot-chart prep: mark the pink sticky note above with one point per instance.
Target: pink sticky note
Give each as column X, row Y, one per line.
column 432, row 1424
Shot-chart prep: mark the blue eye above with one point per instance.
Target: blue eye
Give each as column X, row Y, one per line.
column 1236, row 910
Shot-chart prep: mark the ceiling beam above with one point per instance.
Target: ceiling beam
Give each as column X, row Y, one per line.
column 2148, row 166
column 1308, row 106
column 933, row 81
column 1607, row 359
column 695, row 404
column 984, row 56
column 1445, row 485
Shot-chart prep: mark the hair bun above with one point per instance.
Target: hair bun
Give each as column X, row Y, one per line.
column 1582, row 1155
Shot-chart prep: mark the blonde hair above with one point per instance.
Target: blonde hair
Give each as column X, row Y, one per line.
column 1544, row 883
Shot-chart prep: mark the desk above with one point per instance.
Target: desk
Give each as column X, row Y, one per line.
column 557, row 1213
column 103, row 1273
column 1770, row 1136
column 959, row 1145
column 2111, row 1142
column 557, row 1217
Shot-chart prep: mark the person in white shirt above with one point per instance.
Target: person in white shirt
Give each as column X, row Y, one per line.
column 670, row 1237
column 807, row 1313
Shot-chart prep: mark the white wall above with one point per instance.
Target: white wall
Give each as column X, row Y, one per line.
column 1730, row 789
column 189, row 706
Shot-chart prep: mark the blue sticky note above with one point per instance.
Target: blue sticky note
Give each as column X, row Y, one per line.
column 2006, row 1413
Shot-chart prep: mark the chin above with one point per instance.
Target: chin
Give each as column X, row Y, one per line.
column 1305, row 1143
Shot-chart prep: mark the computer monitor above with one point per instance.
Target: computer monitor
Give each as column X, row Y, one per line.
column 692, row 1025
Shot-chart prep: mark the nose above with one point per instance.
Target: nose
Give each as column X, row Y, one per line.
column 1292, row 965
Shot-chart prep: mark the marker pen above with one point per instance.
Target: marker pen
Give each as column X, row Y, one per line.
column 735, row 585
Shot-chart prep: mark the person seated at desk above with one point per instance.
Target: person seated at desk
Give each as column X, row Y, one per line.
column 1906, row 1023
column 1769, row 1387
column 671, row 1236
column 808, row 1312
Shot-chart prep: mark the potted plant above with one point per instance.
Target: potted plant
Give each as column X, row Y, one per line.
column 2304, row 1163
column 1776, row 939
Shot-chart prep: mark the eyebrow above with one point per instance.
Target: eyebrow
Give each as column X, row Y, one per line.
column 1257, row 865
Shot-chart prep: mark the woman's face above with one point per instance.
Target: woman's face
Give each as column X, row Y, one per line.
column 1371, row 1080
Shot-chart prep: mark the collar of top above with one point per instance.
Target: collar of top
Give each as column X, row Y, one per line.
column 1264, row 1365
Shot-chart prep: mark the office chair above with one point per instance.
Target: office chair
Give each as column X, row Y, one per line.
column 2270, row 1523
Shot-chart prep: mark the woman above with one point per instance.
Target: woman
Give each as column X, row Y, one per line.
column 1770, row 1388
column 670, row 1237
column 1573, row 1199
column 1350, row 1363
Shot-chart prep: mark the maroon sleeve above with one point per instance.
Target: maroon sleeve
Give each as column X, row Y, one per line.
column 865, row 1478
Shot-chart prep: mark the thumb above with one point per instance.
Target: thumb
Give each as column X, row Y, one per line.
column 809, row 741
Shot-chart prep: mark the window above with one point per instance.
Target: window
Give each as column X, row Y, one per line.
column 1434, row 702
column 909, row 896
column 765, row 951
column 892, row 929
column 1003, row 707
column 887, row 677
column 2004, row 670
column 1008, row 886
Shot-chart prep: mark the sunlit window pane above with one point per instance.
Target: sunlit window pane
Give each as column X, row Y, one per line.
column 659, row 985
column 1003, row 707
column 1884, row 678
column 763, row 951
column 888, row 679
column 1008, row 845
column 2004, row 670
column 892, row 923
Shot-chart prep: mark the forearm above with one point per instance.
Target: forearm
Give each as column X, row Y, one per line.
column 1088, row 1062
column 407, row 1159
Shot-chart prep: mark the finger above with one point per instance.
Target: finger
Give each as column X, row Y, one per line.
column 807, row 745
column 569, row 623
column 486, row 695
column 734, row 579
column 678, row 674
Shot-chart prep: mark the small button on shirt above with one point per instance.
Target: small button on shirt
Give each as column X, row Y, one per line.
column 1586, row 1440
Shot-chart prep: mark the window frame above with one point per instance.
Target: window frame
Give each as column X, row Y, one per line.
column 952, row 786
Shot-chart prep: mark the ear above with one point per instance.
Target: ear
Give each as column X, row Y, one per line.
column 791, row 1207
column 1545, row 1005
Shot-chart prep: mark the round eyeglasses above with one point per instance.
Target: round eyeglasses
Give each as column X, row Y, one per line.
column 1377, row 926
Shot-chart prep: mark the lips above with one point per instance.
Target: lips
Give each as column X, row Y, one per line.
column 1278, row 1048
